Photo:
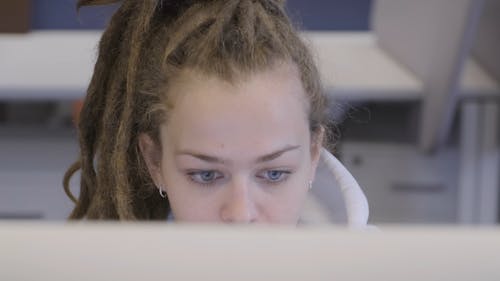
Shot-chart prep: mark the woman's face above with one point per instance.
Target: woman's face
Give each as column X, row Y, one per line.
column 235, row 153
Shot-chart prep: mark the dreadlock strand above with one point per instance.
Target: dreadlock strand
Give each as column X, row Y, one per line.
column 186, row 24
column 90, row 121
column 139, row 27
column 247, row 19
column 111, row 108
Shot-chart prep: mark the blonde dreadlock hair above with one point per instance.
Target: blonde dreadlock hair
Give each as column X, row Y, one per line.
column 146, row 43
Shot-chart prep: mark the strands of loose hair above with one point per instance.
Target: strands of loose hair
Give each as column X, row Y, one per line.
column 145, row 45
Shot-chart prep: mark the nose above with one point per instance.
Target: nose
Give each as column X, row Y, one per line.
column 239, row 206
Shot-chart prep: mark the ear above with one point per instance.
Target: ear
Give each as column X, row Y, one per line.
column 316, row 146
column 151, row 153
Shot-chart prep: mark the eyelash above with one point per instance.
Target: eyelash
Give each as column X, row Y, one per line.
column 192, row 174
column 284, row 175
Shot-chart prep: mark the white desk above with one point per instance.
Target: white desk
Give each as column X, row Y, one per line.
column 57, row 65
column 353, row 67
column 477, row 83
column 46, row 65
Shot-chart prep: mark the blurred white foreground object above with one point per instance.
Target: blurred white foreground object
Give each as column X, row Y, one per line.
column 53, row 252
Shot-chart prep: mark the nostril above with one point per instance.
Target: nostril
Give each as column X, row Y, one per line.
column 240, row 214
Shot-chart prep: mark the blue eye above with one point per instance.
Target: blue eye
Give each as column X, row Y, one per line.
column 204, row 177
column 275, row 176
column 207, row 175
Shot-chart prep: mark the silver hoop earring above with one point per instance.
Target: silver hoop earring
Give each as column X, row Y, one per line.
column 162, row 192
column 310, row 185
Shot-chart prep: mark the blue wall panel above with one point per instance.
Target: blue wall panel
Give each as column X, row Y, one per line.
column 331, row 14
column 62, row 14
column 309, row 14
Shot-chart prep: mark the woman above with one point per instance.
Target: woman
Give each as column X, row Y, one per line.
column 207, row 111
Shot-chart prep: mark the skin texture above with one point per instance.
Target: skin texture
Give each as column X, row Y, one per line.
column 235, row 152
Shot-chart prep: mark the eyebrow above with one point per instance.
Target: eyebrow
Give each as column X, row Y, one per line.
column 213, row 159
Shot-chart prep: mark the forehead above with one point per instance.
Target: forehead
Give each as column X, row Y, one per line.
column 265, row 109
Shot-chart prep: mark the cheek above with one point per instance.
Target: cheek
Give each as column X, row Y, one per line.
column 188, row 206
column 189, row 203
column 285, row 204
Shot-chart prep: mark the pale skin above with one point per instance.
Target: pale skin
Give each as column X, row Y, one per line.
column 236, row 152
